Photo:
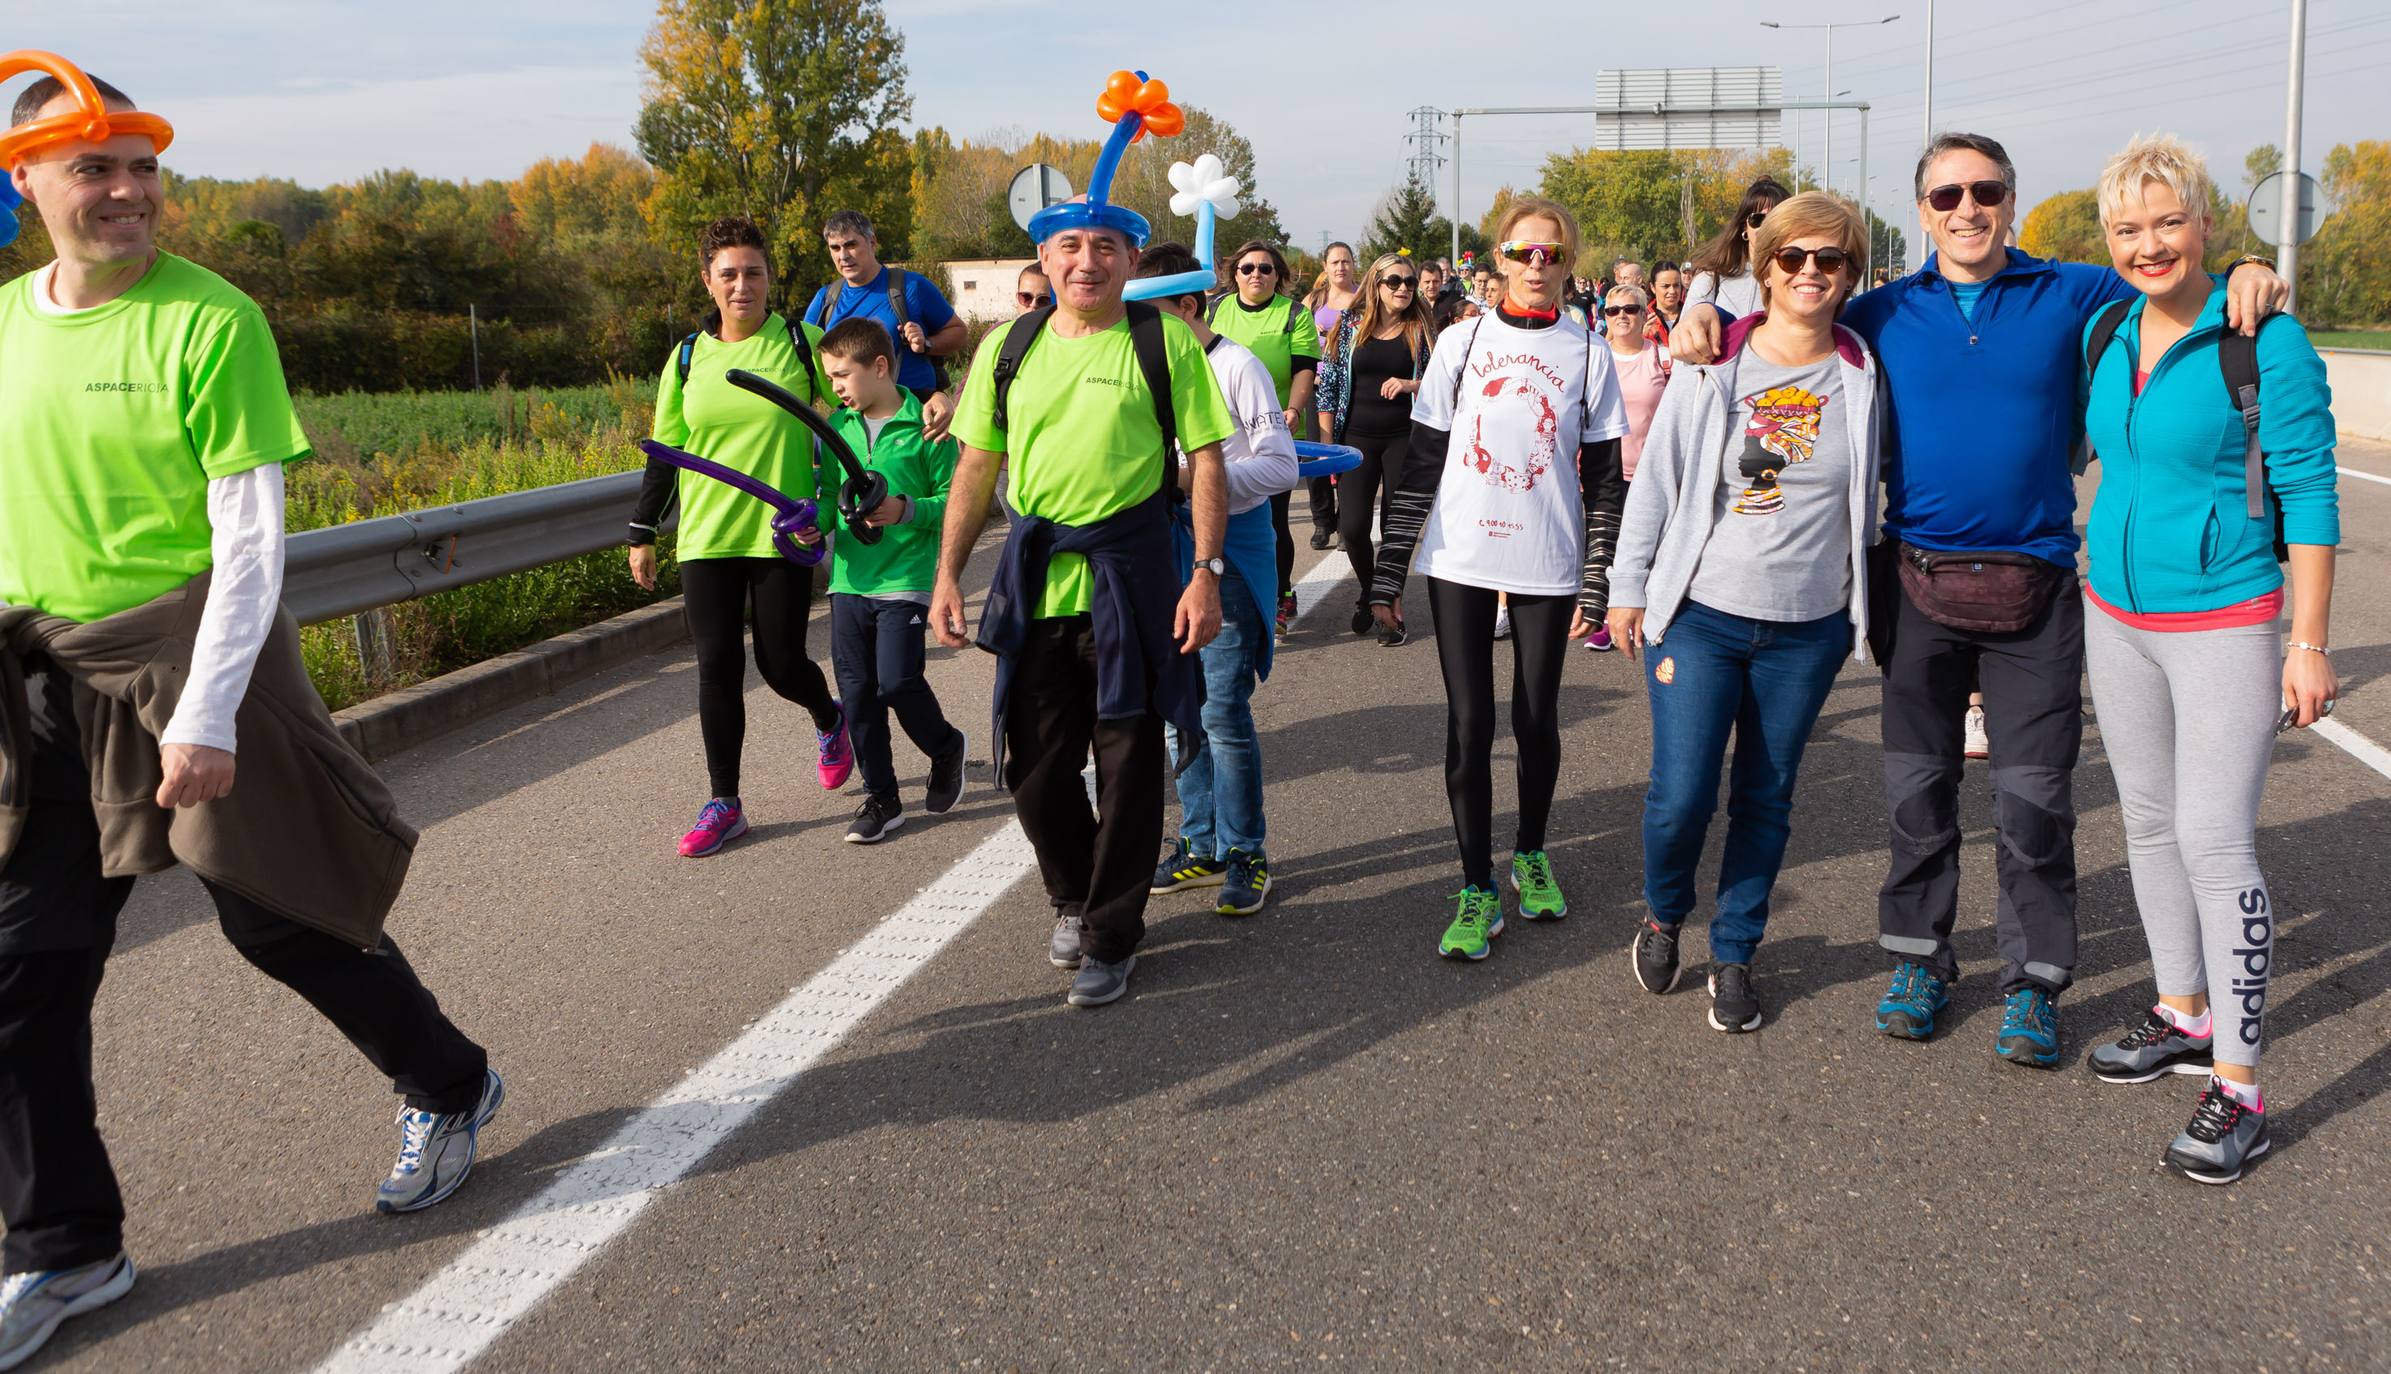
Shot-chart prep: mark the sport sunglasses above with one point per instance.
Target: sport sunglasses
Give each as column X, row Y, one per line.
column 1830, row 260
column 1623, row 310
column 1533, row 254
column 1985, row 193
column 1256, row 269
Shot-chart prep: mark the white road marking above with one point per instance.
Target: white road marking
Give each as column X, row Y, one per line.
column 459, row 1312
column 2355, row 745
column 2368, row 476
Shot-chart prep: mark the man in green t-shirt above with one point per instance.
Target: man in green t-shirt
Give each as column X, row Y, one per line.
column 143, row 428
column 1089, row 465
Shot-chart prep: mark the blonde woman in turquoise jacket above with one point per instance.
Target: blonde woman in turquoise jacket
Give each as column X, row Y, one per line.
column 2191, row 674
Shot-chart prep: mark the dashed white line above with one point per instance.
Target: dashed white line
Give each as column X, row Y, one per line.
column 2355, row 745
column 2368, row 476
column 459, row 1312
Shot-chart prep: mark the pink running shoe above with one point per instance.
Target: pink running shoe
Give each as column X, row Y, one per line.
column 1599, row 642
column 718, row 823
column 838, row 755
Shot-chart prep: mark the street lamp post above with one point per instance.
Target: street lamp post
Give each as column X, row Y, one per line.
column 1827, row 155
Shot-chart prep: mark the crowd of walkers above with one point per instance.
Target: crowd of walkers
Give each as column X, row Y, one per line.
column 1741, row 471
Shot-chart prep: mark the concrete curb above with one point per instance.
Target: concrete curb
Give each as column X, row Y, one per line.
column 408, row 717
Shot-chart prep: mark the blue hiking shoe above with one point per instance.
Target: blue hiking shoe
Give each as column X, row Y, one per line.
column 2029, row 1029
column 436, row 1151
column 1915, row 997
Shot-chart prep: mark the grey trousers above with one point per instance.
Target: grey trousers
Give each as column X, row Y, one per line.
column 2189, row 721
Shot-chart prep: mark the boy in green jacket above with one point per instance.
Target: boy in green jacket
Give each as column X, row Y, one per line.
column 880, row 592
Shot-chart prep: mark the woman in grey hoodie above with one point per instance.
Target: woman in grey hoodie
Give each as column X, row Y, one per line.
column 1742, row 564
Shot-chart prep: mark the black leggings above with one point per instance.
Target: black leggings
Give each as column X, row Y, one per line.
column 1465, row 650
column 716, row 594
column 1364, row 493
column 1279, row 506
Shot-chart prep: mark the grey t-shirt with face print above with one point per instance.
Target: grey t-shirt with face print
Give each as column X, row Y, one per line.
column 1780, row 548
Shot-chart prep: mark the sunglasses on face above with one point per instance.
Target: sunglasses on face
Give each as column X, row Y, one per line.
column 1830, row 261
column 1752, row 220
column 1532, row 254
column 1986, row 194
column 1623, row 310
column 1256, row 269
column 1026, row 297
column 1398, row 283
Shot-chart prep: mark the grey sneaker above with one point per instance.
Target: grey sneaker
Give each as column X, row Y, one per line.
column 1099, row 982
column 33, row 1304
column 436, row 1151
column 2151, row 1050
column 1062, row 950
column 2222, row 1140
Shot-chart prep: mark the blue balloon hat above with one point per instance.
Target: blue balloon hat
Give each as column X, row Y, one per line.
column 9, row 201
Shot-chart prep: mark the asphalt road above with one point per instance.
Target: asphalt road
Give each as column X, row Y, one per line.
column 1303, row 1140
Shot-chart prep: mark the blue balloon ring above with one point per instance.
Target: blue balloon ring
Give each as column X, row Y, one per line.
column 1325, row 460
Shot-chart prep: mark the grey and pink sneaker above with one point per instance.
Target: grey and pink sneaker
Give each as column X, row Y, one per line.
column 718, row 823
column 1599, row 642
column 838, row 755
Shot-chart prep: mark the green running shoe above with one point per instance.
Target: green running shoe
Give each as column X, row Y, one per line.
column 1540, row 897
column 1472, row 933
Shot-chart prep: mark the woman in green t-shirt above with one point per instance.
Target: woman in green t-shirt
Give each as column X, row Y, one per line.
column 1280, row 331
column 730, row 573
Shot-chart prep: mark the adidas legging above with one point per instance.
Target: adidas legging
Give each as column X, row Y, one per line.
column 1465, row 647
column 2188, row 719
column 716, row 594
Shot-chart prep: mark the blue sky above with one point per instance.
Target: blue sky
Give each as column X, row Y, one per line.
column 327, row 90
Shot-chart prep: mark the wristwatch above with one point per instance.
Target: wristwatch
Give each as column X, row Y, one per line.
column 1214, row 566
column 2267, row 263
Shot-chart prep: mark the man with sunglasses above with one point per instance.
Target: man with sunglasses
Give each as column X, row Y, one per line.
column 1980, row 353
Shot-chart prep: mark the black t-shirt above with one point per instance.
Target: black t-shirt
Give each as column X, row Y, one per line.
column 1374, row 361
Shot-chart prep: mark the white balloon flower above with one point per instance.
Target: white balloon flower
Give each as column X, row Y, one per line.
column 1205, row 182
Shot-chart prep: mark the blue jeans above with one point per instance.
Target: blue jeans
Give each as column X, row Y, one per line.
column 1766, row 681
column 1220, row 789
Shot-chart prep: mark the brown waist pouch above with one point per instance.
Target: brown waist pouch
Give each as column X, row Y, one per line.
column 1989, row 592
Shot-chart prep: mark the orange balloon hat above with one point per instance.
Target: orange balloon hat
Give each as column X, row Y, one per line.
column 91, row 121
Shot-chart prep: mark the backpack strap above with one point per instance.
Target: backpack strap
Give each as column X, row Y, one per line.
column 681, row 363
column 1018, row 338
column 2237, row 359
column 1289, row 330
column 1462, row 369
column 805, row 354
column 1145, row 338
column 896, row 298
column 1212, row 305
column 2104, row 330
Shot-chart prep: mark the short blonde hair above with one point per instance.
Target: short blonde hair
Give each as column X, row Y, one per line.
column 1812, row 214
column 2162, row 158
column 1635, row 295
column 1537, row 207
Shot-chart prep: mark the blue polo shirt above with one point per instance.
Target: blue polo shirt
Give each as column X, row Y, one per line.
column 923, row 303
column 1982, row 407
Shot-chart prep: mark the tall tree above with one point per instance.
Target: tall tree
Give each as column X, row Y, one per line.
column 1405, row 222
column 2065, row 227
column 783, row 110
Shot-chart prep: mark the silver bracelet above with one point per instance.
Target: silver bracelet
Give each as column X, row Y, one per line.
column 2312, row 648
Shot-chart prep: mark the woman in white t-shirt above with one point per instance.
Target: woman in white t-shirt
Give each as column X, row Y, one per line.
column 1643, row 368
column 1723, row 269
column 1511, row 489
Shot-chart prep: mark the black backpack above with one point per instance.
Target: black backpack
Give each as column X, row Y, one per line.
column 805, row 355
column 1145, row 337
column 2237, row 360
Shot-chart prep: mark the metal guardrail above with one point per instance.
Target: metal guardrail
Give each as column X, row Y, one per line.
column 341, row 571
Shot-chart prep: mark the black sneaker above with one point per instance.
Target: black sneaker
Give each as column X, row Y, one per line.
column 1654, row 955
column 1247, row 884
column 946, row 777
column 1363, row 621
column 1734, row 1005
column 2222, row 1140
column 2154, row 1049
column 1323, row 537
column 874, row 819
column 1393, row 638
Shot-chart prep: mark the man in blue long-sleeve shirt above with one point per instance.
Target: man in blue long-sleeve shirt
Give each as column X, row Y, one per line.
column 1979, row 351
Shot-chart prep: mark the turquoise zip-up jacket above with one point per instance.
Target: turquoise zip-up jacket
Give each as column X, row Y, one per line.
column 2170, row 528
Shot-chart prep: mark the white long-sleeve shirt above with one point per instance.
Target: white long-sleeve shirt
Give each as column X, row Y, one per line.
column 245, row 518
